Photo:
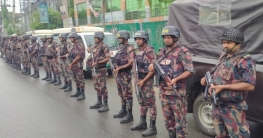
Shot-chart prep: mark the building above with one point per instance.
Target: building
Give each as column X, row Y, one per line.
column 131, row 15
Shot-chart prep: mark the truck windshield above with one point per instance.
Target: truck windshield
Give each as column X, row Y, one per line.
column 110, row 40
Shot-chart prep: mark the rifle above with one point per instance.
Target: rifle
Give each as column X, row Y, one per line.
column 209, row 81
column 138, row 88
column 92, row 56
column 160, row 71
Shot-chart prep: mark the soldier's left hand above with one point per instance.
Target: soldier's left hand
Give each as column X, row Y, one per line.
column 141, row 83
column 116, row 71
column 70, row 66
column 217, row 88
column 94, row 64
column 172, row 82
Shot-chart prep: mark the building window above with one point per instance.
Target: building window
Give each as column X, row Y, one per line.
column 135, row 9
column 113, row 5
column 159, row 8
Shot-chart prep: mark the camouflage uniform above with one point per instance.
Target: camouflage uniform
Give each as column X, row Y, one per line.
column 175, row 108
column 19, row 54
column 144, row 58
column 42, row 55
column 25, row 59
column 229, row 116
column 51, row 54
column 34, row 58
column 78, row 49
column 100, row 52
column 64, row 49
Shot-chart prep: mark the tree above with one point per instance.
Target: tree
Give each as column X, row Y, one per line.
column 71, row 11
column 55, row 20
column 9, row 26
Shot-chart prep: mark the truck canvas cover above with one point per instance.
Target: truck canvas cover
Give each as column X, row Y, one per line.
column 202, row 22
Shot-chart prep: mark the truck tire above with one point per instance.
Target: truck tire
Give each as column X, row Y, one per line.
column 202, row 112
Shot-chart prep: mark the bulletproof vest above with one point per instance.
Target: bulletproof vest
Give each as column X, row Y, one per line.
column 171, row 64
column 64, row 49
column 42, row 49
column 73, row 51
column 51, row 49
column 120, row 57
column 31, row 49
column 143, row 61
column 227, row 73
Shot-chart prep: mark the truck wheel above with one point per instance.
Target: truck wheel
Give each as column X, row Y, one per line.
column 202, row 112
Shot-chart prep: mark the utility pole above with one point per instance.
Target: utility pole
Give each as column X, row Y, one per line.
column 14, row 12
column 103, row 13
column 29, row 11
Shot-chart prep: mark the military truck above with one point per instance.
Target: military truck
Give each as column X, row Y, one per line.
column 201, row 24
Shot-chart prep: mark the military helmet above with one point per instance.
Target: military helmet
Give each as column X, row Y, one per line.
column 123, row 34
column 73, row 35
column 49, row 36
column 233, row 34
column 14, row 35
column 171, row 30
column 65, row 36
column 33, row 38
column 43, row 37
column 19, row 38
column 99, row 34
column 25, row 36
column 141, row 34
column 8, row 37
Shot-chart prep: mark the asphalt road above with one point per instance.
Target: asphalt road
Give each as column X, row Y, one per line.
column 33, row 108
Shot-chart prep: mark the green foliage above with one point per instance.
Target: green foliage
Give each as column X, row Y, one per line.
column 9, row 26
column 55, row 20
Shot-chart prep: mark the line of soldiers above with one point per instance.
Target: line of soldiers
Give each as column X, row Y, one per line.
column 234, row 76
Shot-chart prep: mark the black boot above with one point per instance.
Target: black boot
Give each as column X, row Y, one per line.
column 122, row 112
column 54, row 80
column 49, row 77
column 65, row 85
column 172, row 135
column 76, row 94
column 69, row 87
column 98, row 104
column 46, row 76
column 128, row 118
column 58, row 81
column 28, row 71
column 24, row 71
column 82, row 95
column 104, row 107
column 33, row 74
column 141, row 125
column 37, row 75
column 151, row 129
column 18, row 67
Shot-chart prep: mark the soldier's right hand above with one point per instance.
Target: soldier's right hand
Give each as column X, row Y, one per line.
column 203, row 81
column 89, row 49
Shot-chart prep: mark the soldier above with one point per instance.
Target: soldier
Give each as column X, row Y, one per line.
column 25, row 59
column 123, row 63
column 33, row 55
column 233, row 76
column 176, row 61
column 51, row 54
column 8, row 50
column 64, row 49
column 19, row 53
column 2, row 46
column 144, row 57
column 101, row 56
column 76, row 57
column 12, row 45
column 42, row 56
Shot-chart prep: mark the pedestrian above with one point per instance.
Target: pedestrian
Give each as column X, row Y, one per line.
column 176, row 61
column 144, row 57
column 76, row 57
column 233, row 76
column 101, row 55
column 122, row 62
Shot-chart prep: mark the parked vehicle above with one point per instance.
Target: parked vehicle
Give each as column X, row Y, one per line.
column 201, row 24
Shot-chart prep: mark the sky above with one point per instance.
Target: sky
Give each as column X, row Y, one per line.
column 10, row 9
